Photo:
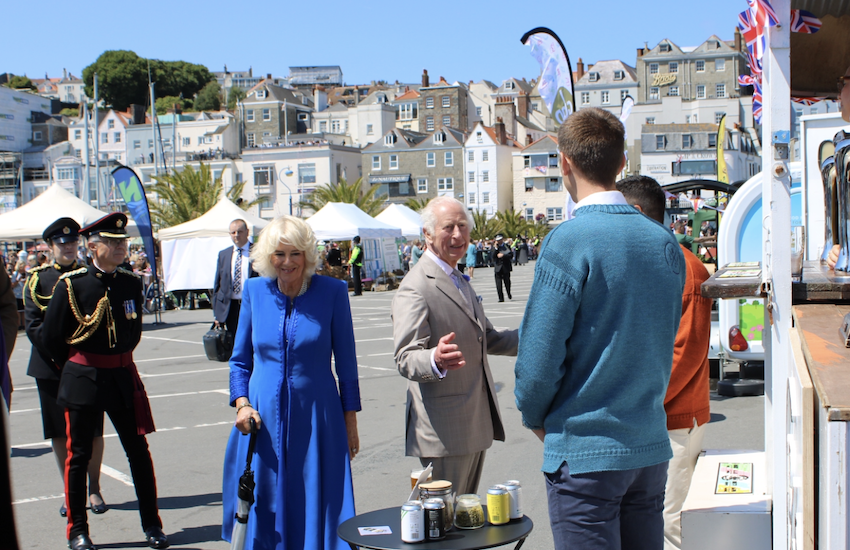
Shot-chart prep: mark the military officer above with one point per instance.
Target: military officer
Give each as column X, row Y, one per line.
column 91, row 327
column 62, row 237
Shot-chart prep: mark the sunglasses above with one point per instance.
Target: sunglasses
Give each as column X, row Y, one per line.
column 842, row 80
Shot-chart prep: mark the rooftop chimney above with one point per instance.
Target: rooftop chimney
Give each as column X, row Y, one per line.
column 738, row 44
column 64, row 73
column 269, row 76
column 522, row 104
column 579, row 69
column 425, row 81
column 499, row 128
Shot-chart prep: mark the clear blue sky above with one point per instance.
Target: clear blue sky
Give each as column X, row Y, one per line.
column 459, row 39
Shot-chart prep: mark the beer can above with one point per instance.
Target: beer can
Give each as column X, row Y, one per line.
column 412, row 521
column 498, row 505
column 515, row 497
column 435, row 520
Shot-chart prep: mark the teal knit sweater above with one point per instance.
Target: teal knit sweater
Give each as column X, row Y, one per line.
column 596, row 341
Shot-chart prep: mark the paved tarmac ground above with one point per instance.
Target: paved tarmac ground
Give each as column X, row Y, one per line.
column 189, row 398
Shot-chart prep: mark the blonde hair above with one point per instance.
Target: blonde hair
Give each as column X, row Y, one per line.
column 288, row 230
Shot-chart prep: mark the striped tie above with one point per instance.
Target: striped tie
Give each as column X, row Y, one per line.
column 237, row 273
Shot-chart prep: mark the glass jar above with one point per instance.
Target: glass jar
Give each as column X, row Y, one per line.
column 441, row 489
column 469, row 514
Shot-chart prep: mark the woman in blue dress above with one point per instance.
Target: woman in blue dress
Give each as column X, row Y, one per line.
column 290, row 323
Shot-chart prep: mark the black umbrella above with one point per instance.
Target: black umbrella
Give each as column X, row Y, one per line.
column 246, row 495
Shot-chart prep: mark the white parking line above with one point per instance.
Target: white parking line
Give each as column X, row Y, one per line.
column 182, row 372
column 375, row 368
column 374, row 339
column 170, row 358
column 38, row 499
column 182, row 394
column 115, row 474
column 173, row 340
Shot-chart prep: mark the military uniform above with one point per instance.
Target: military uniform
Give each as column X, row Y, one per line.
column 91, row 327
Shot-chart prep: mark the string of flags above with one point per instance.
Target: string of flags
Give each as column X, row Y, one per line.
column 753, row 21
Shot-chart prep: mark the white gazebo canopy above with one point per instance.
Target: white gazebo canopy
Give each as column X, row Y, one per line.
column 404, row 218
column 215, row 223
column 338, row 221
column 28, row 222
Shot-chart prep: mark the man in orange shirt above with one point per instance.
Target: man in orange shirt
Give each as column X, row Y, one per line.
column 687, row 399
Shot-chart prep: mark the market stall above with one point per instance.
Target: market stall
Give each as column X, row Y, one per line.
column 404, row 218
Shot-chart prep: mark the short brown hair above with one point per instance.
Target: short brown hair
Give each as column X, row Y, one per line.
column 646, row 193
column 594, row 140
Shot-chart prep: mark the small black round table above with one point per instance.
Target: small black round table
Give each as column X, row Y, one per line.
column 489, row 536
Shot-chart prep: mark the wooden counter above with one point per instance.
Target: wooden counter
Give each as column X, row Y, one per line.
column 820, row 284
column 827, row 358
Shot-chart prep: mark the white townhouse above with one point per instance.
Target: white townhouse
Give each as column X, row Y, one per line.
column 487, row 160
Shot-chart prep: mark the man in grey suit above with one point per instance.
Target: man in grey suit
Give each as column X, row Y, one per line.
column 442, row 339
column 232, row 269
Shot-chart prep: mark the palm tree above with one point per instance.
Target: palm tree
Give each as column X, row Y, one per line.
column 416, row 204
column 512, row 223
column 186, row 195
column 483, row 227
column 342, row 191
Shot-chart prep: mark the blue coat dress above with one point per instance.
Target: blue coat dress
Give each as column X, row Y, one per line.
column 282, row 361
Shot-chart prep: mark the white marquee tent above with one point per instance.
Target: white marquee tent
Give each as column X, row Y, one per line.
column 190, row 250
column 27, row 222
column 404, row 218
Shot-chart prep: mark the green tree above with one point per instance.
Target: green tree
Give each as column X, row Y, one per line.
column 416, row 204
column 20, row 83
column 186, row 195
column 164, row 105
column 513, row 223
column 484, row 227
column 234, row 96
column 70, row 112
column 179, row 77
column 342, row 191
column 209, row 98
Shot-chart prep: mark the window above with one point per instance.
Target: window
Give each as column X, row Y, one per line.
column 390, row 139
column 485, row 197
column 137, row 144
column 447, row 120
column 439, row 137
column 150, row 143
column 701, row 91
column 376, row 162
column 605, row 98
column 653, row 68
column 104, row 137
column 529, row 184
column 66, row 173
column 712, row 140
column 660, row 142
column 485, row 176
column 673, row 67
column 554, row 214
column 529, row 214
column 78, row 134
column 471, row 156
column 429, row 124
column 186, row 141
column 553, row 160
column 673, row 91
column 654, row 93
column 553, row 185
column 509, row 85
column 421, row 185
column 665, row 47
column 393, row 162
column 687, row 119
column 407, row 111
column 445, row 184
column 623, row 95
column 485, row 155
column 720, row 90
column 430, row 159
column 585, row 98
column 36, row 136
column 478, row 111
column 650, row 120
column 267, row 114
column 700, row 65
column 323, row 126
column 593, row 76
column 535, row 106
column 369, row 129
column 694, row 118
column 720, row 65
column 110, row 124
column 470, row 177
column 471, row 198
column 687, row 141
column 306, row 173
column 261, row 94
column 718, row 116
column 429, row 102
column 447, row 102
column 117, row 136
column 250, row 140
column 263, row 178
column 619, row 75
column 449, row 158
column 335, row 126
column 478, row 137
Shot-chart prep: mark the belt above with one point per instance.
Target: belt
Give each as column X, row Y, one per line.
column 141, row 405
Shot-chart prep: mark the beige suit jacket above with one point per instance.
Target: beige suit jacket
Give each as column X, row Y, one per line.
column 459, row 414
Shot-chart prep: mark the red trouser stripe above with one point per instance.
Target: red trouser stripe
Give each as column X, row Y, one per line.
column 67, row 469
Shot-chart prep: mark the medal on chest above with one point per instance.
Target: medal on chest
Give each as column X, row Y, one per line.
column 130, row 309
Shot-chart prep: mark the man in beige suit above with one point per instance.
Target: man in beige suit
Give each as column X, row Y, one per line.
column 441, row 343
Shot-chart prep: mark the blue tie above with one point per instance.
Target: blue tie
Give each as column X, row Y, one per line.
column 237, row 273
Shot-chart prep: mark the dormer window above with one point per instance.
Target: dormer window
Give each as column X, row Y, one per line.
column 390, row 139
column 261, row 94
column 439, row 137
column 619, row 75
column 665, row 47
column 593, row 77
column 509, row 85
column 479, row 138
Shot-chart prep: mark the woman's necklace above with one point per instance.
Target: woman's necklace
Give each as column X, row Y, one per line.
column 304, row 286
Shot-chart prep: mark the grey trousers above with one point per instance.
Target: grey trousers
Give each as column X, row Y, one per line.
column 463, row 471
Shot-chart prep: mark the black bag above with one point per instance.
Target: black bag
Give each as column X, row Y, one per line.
column 218, row 344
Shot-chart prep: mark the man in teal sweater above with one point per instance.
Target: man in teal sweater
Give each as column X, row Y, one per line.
column 596, row 349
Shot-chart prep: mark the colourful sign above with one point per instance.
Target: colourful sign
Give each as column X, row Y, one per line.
column 734, row 477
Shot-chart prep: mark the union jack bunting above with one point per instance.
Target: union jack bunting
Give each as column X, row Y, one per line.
column 763, row 13
column 807, row 101
column 804, row 22
column 754, row 38
column 745, row 80
column 757, row 106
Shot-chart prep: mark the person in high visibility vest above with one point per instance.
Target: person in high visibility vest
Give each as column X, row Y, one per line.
column 356, row 263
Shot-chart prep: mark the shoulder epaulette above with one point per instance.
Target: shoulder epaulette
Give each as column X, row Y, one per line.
column 128, row 272
column 74, row 273
column 40, row 268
